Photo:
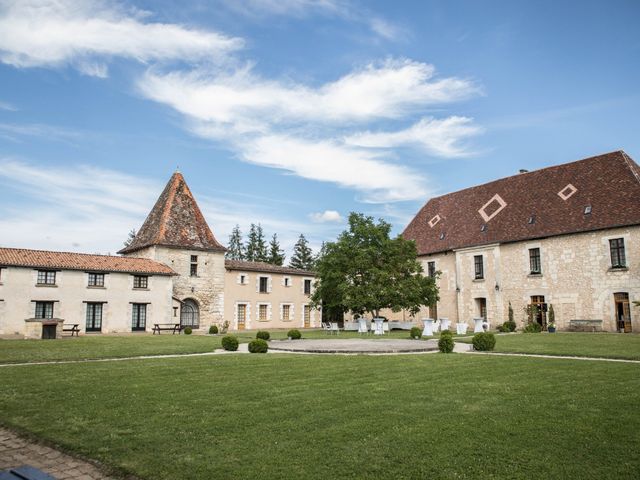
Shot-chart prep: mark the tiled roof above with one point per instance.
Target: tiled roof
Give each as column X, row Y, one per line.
column 20, row 257
column 175, row 221
column 537, row 204
column 264, row 267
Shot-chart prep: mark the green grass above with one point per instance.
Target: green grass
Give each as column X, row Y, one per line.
column 326, row 417
column 96, row 347
column 605, row 345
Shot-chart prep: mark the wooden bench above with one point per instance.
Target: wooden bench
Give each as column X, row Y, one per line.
column 73, row 328
column 173, row 327
column 585, row 325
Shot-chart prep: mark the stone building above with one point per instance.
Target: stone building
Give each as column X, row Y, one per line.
column 174, row 271
column 567, row 236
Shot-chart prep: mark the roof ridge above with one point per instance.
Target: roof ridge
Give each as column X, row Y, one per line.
column 69, row 253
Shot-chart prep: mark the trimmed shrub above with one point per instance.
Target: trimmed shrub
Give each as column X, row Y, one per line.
column 509, row 326
column 415, row 332
column 230, row 343
column 258, row 346
column 484, row 342
column 294, row 334
column 446, row 333
column 445, row 343
column 213, row 329
column 263, row 335
column 533, row 327
column 187, row 331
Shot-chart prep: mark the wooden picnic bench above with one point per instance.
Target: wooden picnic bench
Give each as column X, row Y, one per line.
column 71, row 327
column 585, row 325
column 173, row 327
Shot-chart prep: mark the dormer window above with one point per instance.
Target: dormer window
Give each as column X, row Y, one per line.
column 483, row 228
column 442, row 235
column 587, row 210
column 532, row 219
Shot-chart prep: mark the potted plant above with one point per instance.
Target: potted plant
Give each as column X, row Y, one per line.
column 551, row 326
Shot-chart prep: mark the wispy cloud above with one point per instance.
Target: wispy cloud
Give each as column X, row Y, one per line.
column 440, row 137
column 326, row 216
column 81, row 32
column 7, row 106
column 48, row 132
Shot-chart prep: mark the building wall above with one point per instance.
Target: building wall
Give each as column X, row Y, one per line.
column 277, row 295
column 19, row 292
column 576, row 278
column 207, row 289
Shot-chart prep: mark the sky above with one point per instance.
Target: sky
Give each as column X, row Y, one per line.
column 293, row 113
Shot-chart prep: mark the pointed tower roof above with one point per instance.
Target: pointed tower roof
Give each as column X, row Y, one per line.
column 175, row 221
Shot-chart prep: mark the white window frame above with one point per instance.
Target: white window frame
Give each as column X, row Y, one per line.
column 269, row 284
column 292, row 313
column 247, row 317
column 268, row 305
column 239, row 279
column 287, row 281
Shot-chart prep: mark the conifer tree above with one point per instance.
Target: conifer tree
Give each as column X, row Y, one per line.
column 302, row 257
column 276, row 254
column 130, row 237
column 256, row 250
column 235, row 249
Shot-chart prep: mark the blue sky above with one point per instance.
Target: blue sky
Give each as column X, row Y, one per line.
column 292, row 113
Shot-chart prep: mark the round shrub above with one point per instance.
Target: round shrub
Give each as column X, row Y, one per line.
column 230, row 343
column 533, row 327
column 415, row 332
column 445, row 343
column 258, row 346
column 263, row 335
column 484, row 342
column 446, row 333
column 510, row 326
column 294, row 334
column 213, row 329
column 187, row 331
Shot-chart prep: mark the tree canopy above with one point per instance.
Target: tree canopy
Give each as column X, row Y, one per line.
column 365, row 271
column 256, row 246
column 130, row 237
column 276, row 254
column 235, row 249
column 302, row 257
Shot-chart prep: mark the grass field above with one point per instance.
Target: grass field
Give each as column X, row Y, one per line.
column 605, row 345
column 326, row 417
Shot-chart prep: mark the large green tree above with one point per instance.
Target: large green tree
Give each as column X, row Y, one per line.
column 276, row 254
column 302, row 257
column 235, row 249
column 256, row 250
column 366, row 271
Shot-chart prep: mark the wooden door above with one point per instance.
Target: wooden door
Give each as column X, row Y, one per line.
column 242, row 316
column 623, row 312
column 307, row 316
column 538, row 310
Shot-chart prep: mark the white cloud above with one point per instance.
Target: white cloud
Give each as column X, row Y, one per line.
column 439, row 137
column 326, row 216
column 386, row 90
column 7, row 106
column 55, row 33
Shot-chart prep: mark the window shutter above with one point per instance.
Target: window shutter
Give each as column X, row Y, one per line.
column 269, row 284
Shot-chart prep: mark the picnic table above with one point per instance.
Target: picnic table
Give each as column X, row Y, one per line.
column 168, row 327
column 71, row 327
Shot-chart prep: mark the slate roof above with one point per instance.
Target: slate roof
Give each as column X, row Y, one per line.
column 175, row 221
column 538, row 204
column 264, row 267
column 21, row 257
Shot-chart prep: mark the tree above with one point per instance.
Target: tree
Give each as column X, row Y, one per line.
column 276, row 254
column 302, row 257
column 256, row 250
column 130, row 237
column 365, row 271
column 235, row 250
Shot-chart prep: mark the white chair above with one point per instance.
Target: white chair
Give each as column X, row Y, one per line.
column 334, row 328
column 444, row 324
column 379, row 329
column 477, row 325
column 326, row 327
column 385, row 327
column 461, row 328
column 428, row 327
column 362, row 326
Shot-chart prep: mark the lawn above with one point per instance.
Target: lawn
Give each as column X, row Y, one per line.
column 95, row 347
column 326, row 417
column 606, row 345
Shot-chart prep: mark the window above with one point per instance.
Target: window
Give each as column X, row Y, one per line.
column 94, row 317
column 431, row 269
column 243, row 279
column 287, row 282
column 479, row 267
column 44, row 309
column 618, row 259
column 534, row 261
column 307, row 286
column 138, row 316
column 194, row 266
column 286, row 312
column 264, row 284
column 96, row 280
column 46, row 277
column 140, row 281
column 262, row 312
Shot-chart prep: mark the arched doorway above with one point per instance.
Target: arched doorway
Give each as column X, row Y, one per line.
column 190, row 314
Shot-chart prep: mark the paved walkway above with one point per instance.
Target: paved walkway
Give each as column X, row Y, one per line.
column 16, row 451
column 354, row 345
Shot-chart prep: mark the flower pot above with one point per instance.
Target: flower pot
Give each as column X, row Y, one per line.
column 551, row 329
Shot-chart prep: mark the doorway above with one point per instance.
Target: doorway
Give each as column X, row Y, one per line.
column 481, row 308
column 538, row 311
column 307, row 316
column 242, row 315
column 623, row 312
column 49, row 331
column 189, row 314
